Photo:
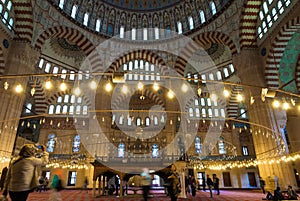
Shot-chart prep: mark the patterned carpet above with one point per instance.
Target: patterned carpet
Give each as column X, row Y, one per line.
column 77, row 195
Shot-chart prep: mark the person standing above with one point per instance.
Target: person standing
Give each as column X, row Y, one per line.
column 146, row 183
column 209, row 184
column 21, row 176
column 262, row 184
column 3, row 176
column 204, row 183
column 193, row 186
column 85, row 185
column 174, row 188
column 292, row 195
column 216, row 182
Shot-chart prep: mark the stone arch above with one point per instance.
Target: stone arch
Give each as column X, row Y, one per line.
column 248, row 23
column 23, row 20
column 277, row 50
column 139, row 54
column 148, row 93
column 202, row 40
column 39, row 96
column 68, row 33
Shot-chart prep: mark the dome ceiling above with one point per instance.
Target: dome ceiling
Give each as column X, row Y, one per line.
column 144, row 5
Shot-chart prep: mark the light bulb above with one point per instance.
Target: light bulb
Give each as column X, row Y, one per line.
column 156, row 86
column 171, row 94
column 199, row 91
column 19, row 88
column 276, row 103
column 77, row 91
column 93, row 85
column 63, row 86
column 48, row 85
column 124, row 89
column 184, row 88
column 108, row 87
column 226, row 93
column 6, row 85
column 32, row 91
column 239, row 97
column 285, row 106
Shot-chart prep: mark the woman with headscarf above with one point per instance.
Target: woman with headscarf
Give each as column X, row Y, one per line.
column 21, row 177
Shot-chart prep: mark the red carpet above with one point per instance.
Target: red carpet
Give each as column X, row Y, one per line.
column 226, row 195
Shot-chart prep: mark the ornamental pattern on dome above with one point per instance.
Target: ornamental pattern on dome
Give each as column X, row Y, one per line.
column 145, row 5
column 167, row 16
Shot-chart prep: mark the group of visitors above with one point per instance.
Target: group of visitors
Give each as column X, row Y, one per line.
column 43, row 184
column 213, row 184
column 290, row 194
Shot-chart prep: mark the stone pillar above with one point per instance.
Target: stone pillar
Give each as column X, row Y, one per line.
column 250, row 68
column 94, row 188
column 121, row 184
column 21, row 60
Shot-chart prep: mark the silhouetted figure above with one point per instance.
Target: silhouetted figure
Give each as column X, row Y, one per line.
column 174, row 187
column 262, row 184
column 210, row 184
column 146, row 183
column 216, row 184
column 278, row 194
column 3, row 176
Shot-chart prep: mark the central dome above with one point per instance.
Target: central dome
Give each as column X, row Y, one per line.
column 144, row 5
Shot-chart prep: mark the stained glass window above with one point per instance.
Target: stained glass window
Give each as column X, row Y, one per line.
column 121, row 150
column 51, row 143
column 155, row 153
column 76, row 144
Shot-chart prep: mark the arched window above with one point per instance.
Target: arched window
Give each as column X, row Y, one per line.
column 191, row 22
column 61, row 3
column 58, row 109
column 203, row 112
column 138, row 121
column 197, row 111
column 85, row 19
column 202, row 16
column 133, row 34
column 28, row 108
column 76, row 144
column 65, row 109
column 191, row 112
column 85, row 110
column 147, row 121
column 198, row 145
column 98, row 25
column 179, row 27
column 155, row 152
column 145, row 34
column 121, row 150
column 155, row 120
column 219, row 75
column 121, row 120
column 51, row 143
column 156, row 33
column 74, row 11
column 221, row 145
column 51, row 109
column 129, row 121
column 212, row 6
column 122, row 30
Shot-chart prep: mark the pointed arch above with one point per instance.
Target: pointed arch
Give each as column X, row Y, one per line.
column 277, row 50
column 66, row 32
